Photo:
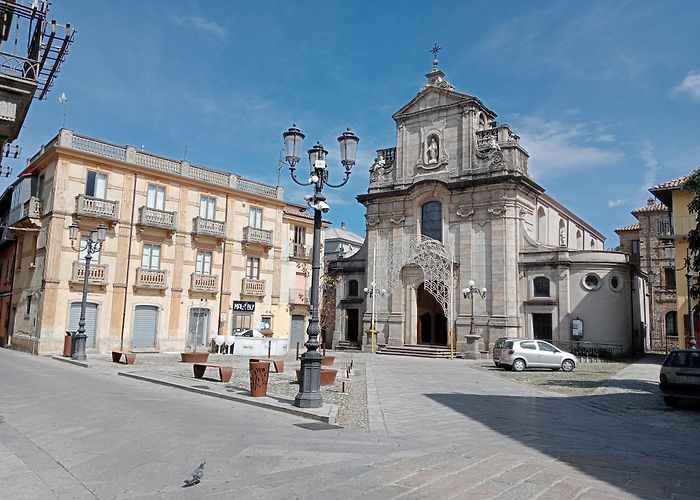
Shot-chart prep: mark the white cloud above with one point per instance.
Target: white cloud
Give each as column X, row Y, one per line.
column 651, row 163
column 557, row 148
column 690, row 86
column 616, row 203
column 204, row 25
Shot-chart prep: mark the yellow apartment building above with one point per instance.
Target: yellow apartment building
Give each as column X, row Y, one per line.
column 672, row 194
column 190, row 253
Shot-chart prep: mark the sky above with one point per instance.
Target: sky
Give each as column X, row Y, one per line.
column 605, row 95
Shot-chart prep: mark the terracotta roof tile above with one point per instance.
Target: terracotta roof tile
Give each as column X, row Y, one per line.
column 674, row 184
column 631, row 227
column 656, row 207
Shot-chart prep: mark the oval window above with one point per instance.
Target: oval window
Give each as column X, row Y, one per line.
column 591, row 281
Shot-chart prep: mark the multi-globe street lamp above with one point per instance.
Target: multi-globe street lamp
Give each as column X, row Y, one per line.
column 469, row 293
column 93, row 244
column 309, row 395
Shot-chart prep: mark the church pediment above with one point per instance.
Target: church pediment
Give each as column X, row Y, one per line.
column 433, row 97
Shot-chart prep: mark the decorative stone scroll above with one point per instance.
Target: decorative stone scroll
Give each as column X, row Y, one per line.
column 464, row 213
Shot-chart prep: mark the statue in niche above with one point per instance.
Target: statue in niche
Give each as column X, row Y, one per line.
column 562, row 236
column 433, row 150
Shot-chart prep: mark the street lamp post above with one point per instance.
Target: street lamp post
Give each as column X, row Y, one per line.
column 691, row 323
column 309, row 395
column 469, row 293
column 93, row 244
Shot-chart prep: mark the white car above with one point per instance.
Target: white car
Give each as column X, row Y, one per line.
column 520, row 354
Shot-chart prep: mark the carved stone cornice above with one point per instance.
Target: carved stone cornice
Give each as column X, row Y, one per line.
column 497, row 211
column 398, row 221
column 463, row 213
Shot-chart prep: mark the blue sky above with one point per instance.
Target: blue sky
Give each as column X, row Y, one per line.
column 604, row 94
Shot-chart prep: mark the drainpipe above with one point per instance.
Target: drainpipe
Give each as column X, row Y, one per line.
column 223, row 270
column 128, row 259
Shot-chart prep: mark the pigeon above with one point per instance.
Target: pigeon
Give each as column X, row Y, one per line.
column 196, row 476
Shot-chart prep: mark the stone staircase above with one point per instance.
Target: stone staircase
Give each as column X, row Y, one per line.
column 421, row 351
column 347, row 345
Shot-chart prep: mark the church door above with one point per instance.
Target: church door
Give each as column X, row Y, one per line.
column 432, row 323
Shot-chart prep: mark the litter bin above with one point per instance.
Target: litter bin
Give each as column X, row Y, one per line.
column 259, row 373
column 67, row 345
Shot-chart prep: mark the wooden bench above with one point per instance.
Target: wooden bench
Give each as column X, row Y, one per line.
column 277, row 363
column 129, row 357
column 225, row 372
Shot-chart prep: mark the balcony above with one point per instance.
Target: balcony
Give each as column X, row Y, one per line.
column 299, row 297
column 98, row 273
column 204, row 283
column 208, row 227
column 253, row 287
column 255, row 236
column 89, row 206
column 152, row 217
column 156, row 279
column 298, row 251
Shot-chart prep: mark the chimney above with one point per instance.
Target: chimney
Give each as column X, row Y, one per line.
column 650, row 202
column 342, row 226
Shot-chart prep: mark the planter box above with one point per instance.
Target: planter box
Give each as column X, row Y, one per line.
column 327, row 375
column 194, row 357
column 327, row 360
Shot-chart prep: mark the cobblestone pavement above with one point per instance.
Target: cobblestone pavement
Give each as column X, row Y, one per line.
column 437, row 429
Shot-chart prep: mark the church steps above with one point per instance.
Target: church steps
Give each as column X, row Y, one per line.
column 422, row 351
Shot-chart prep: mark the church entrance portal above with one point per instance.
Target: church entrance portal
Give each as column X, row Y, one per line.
column 432, row 323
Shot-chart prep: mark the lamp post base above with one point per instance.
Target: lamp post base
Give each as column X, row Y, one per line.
column 309, row 395
column 79, row 341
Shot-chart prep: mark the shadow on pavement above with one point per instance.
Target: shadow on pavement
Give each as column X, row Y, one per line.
column 622, row 439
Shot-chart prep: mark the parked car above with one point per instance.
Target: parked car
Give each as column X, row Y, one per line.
column 520, row 354
column 497, row 348
column 679, row 377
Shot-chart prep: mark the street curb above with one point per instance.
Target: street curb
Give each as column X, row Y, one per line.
column 327, row 413
column 71, row 361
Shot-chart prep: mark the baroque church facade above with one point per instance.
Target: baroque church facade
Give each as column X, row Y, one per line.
column 453, row 205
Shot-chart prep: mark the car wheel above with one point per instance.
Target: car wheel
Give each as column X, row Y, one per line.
column 672, row 402
column 567, row 365
column 519, row 365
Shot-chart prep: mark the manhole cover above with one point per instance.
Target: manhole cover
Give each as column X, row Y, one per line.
column 318, row 426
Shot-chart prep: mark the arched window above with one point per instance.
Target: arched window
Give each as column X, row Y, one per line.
column 541, row 286
column 541, row 226
column 352, row 288
column 482, row 121
column 431, row 220
column 592, row 243
column 671, row 330
column 579, row 240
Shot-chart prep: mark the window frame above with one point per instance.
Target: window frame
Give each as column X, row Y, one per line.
column 252, row 268
column 207, row 207
column 541, row 279
column 158, row 196
column 203, row 262
column 255, row 217
column 148, row 248
column 431, row 231
column 92, row 184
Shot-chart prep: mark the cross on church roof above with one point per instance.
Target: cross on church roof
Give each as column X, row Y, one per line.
column 436, row 48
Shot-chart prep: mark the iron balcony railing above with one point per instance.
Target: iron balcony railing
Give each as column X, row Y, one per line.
column 299, row 297
column 89, row 206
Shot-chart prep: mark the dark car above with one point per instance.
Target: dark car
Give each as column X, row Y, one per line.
column 679, row 377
